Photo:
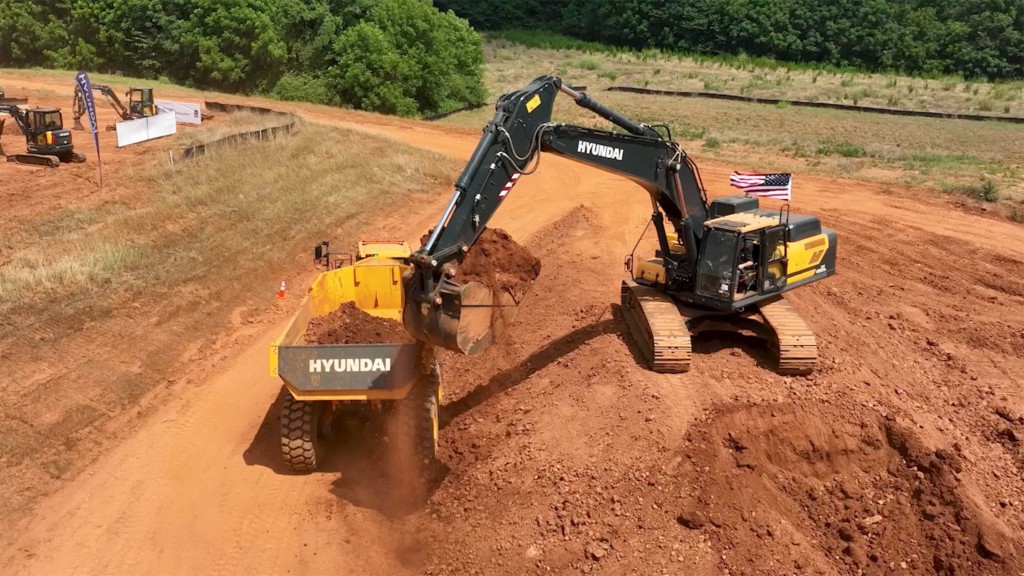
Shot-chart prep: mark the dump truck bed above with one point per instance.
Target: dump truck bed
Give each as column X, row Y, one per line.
column 348, row 371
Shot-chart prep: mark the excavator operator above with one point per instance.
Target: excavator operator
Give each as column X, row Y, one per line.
column 747, row 269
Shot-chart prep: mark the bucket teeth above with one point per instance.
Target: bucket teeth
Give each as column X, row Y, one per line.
column 657, row 327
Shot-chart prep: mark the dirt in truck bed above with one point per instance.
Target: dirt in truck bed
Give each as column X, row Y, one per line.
column 350, row 325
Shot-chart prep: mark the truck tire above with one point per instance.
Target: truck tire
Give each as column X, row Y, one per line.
column 300, row 434
column 417, row 423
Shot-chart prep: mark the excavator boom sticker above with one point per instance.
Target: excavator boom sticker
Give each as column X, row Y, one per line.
column 508, row 186
column 532, row 103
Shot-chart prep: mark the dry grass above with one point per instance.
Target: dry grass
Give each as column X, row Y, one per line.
column 943, row 155
column 256, row 206
column 652, row 69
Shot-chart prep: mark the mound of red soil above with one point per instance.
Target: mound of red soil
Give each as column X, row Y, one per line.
column 771, row 483
column 497, row 261
column 350, row 325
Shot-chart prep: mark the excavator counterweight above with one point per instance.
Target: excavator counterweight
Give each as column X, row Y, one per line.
column 719, row 265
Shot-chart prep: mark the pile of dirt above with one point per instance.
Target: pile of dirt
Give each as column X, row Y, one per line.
column 817, row 488
column 350, row 325
column 499, row 262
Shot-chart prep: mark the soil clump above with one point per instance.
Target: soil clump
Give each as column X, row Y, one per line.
column 499, row 262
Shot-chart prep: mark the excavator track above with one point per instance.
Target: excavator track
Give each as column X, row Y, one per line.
column 35, row 159
column 657, row 327
column 794, row 342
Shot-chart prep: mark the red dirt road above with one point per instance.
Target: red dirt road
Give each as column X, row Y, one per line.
column 901, row 455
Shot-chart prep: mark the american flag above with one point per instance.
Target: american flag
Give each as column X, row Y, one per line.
column 774, row 186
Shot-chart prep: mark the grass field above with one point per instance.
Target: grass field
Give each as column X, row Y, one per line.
column 588, row 62
column 980, row 160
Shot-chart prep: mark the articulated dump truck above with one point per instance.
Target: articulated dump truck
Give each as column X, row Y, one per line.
column 326, row 386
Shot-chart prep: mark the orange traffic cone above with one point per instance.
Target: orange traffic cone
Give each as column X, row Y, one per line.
column 280, row 293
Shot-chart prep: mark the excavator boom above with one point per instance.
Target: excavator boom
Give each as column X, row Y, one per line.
column 467, row 317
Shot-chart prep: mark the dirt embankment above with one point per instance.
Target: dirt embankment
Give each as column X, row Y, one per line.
column 808, row 486
column 350, row 325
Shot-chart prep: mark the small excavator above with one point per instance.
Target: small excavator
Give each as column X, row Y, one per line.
column 140, row 104
column 723, row 265
column 47, row 142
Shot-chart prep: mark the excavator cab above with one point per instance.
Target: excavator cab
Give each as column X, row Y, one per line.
column 140, row 102
column 41, row 120
column 742, row 256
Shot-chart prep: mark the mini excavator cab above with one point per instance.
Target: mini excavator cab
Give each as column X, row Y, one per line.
column 140, row 102
column 42, row 120
column 46, row 131
column 743, row 255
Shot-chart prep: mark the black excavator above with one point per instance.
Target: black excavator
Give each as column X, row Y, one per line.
column 140, row 104
column 722, row 265
column 47, row 142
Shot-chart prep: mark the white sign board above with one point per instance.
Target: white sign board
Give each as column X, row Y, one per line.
column 135, row 131
column 184, row 112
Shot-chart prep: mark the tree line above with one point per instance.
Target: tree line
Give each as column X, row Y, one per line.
column 392, row 56
column 971, row 38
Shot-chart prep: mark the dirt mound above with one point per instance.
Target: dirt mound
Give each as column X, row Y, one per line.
column 818, row 488
column 497, row 261
column 350, row 325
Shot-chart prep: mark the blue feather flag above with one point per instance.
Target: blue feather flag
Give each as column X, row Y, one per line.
column 90, row 108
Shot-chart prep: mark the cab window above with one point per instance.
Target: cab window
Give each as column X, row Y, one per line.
column 717, row 267
column 48, row 121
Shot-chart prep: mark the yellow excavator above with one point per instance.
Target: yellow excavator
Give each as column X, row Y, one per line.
column 140, row 104
column 723, row 265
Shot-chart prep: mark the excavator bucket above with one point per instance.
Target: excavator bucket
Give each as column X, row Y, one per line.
column 469, row 318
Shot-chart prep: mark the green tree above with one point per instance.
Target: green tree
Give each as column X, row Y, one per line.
column 405, row 58
column 138, row 37
column 21, row 33
column 234, row 44
column 395, row 56
column 370, row 73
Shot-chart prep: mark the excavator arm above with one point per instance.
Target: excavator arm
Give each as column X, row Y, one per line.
column 20, row 118
column 78, row 106
column 463, row 317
